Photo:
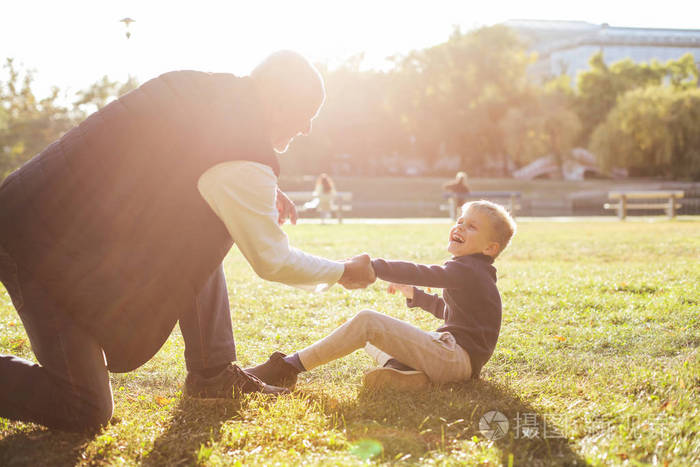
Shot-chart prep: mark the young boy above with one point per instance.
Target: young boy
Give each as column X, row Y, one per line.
column 410, row 357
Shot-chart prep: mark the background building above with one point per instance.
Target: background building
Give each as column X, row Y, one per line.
column 566, row 46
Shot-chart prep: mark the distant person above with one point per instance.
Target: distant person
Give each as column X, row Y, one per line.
column 457, row 191
column 410, row 357
column 117, row 231
column 324, row 197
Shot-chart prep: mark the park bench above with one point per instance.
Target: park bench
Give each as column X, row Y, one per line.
column 341, row 203
column 508, row 199
column 623, row 198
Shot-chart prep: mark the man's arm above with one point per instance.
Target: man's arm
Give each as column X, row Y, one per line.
column 243, row 195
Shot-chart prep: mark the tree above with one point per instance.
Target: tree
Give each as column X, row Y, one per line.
column 600, row 87
column 685, row 137
column 652, row 132
column 354, row 120
column 27, row 124
column 544, row 124
column 456, row 93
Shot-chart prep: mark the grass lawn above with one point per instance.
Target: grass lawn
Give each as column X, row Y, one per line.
column 597, row 363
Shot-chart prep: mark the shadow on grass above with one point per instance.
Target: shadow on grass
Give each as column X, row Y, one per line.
column 194, row 423
column 446, row 419
column 31, row 448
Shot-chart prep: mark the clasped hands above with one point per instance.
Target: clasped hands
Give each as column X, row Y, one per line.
column 358, row 272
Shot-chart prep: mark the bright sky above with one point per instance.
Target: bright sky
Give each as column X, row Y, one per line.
column 73, row 43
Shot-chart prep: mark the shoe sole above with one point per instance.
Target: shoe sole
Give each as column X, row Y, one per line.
column 381, row 378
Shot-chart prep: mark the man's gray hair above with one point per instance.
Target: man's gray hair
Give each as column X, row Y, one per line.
column 288, row 78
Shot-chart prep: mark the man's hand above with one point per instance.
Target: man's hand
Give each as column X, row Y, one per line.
column 285, row 208
column 358, row 273
column 406, row 290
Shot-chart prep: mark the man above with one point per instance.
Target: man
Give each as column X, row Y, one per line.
column 118, row 230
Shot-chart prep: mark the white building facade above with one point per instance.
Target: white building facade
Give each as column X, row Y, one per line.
column 567, row 46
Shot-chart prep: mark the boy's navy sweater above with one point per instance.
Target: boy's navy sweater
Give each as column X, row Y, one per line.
column 471, row 304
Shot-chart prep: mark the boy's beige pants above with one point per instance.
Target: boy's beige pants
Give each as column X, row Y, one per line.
column 435, row 353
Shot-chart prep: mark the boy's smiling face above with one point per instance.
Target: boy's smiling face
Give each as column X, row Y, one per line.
column 471, row 234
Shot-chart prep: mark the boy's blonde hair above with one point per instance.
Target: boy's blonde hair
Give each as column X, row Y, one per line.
column 502, row 223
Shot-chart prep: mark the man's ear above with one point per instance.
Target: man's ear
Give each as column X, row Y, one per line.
column 274, row 114
column 271, row 110
column 492, row 249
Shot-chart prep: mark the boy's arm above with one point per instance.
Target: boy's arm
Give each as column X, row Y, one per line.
column 415, row 297
column 451, row 275
column 431, row 303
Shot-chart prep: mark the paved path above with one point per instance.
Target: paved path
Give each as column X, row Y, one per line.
column 444, row 220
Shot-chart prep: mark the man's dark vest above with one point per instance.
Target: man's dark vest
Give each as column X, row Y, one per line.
column 109, row 220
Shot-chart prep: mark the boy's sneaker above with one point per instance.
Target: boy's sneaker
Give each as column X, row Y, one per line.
column 276, row 371
column 383, row 378
column 232, row 382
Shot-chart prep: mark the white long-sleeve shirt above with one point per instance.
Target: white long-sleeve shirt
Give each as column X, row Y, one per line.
column 243, row 195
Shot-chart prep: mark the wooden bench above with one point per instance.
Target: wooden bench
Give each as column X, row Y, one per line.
column 670, row 205
column 509, row 199
column 341, row 203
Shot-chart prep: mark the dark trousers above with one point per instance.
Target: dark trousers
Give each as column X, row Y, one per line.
column 69, row 388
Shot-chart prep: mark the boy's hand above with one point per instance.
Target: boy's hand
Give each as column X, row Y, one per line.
column 406, row 290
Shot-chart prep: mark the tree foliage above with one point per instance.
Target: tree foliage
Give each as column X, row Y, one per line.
column 447, row 99
column 355, row 121
column 454, row 95
column 601, row 85
column 544, row 124
column 468, row 99
column 29, row 124
column 654, row 132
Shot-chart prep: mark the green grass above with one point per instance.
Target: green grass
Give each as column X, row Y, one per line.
column 598, row 346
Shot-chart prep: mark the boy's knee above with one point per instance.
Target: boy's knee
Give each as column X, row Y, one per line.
column 364, row 316
column 368, row 322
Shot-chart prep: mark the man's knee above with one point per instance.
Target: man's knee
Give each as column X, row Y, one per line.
column 93, row 415
column 87, row 410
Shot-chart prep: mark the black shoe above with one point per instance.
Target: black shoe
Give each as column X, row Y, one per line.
column 276, row 371
column 231, row 383
column 397, row 365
